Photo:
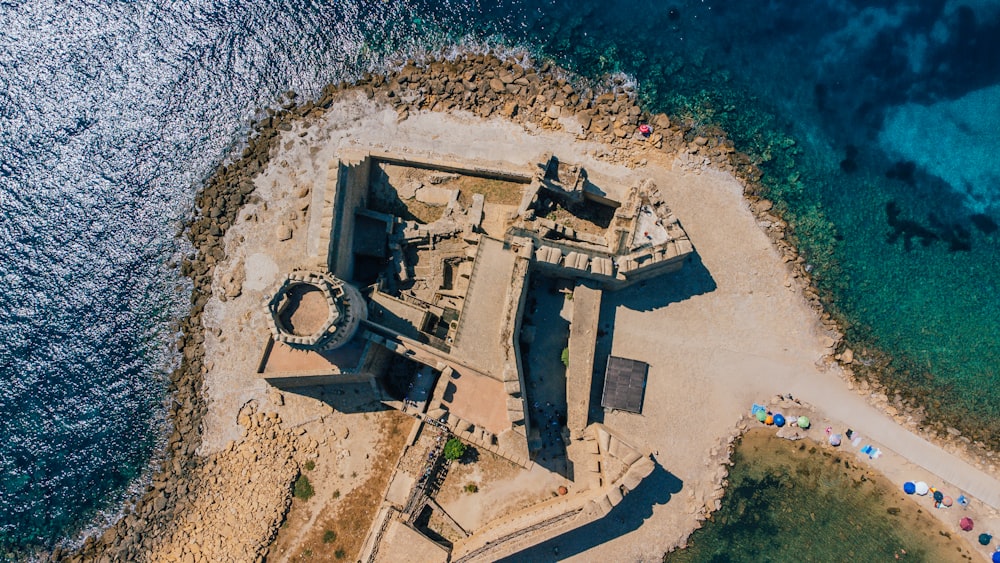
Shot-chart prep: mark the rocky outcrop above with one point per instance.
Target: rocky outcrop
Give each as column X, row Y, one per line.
column 237, row 499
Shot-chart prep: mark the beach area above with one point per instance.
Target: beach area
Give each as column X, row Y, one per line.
column 738, row 325
column 802, row 500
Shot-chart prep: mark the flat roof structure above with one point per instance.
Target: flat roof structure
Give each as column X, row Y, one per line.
column 624, row 384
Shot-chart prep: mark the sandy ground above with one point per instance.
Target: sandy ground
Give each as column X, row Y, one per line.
column 503, row 488
column 720, row 335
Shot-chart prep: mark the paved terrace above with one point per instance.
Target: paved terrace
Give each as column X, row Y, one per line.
column 478, row 339
column 582, row 344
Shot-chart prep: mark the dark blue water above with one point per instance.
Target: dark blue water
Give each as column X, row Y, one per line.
column 112, row 114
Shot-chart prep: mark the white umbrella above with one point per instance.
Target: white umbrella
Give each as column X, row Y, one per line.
column 922, row 488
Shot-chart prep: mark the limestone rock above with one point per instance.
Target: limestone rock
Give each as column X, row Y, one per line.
column 232, row 282
column 847, row 356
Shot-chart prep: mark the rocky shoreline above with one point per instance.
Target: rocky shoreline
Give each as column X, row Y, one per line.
column 537, row 98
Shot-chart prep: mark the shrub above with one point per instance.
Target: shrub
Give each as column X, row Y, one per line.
column 329, row 536
column 565, row 357
column 339, row 554
column 471, row 488
column 310, row 465
column 454, row 449
column 303, row 489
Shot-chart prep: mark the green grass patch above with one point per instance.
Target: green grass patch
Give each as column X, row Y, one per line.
column 303, row 489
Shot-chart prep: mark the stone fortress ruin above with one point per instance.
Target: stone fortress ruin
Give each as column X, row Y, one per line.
column 422, row 282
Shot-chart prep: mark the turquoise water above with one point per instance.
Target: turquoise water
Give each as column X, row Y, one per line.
column 853, row 110
column 801, row 502
column 871, row 119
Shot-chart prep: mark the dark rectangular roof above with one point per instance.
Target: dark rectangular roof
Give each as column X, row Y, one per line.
column 624, row 384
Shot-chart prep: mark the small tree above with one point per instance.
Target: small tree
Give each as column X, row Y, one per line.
column 565, row 357
column 303, row 488
column 454, row 449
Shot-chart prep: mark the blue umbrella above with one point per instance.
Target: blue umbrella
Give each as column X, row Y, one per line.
column 996, row 557
column 909, row 488
column 779, row 420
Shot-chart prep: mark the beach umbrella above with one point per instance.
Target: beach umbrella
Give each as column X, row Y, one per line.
column 965, row 524
column 803, row 422
column 947, row 501
column 921, row 488
column 985, row 539
column 761, row 415
column 779, row 420
column 996, row 557
column 835, row 440
column 938, row 496
column 768, row 420
column 909, row 488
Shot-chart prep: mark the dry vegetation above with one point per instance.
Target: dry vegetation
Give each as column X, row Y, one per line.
column 495, row 191
column 392, row 179
column 489, row 468
column 339, row 530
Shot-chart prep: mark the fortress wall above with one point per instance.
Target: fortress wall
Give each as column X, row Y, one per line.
column 306, row 380
column 522, row 175
column 512, row 344
column 353, row 177
column 666, row 266
column 582, row 347
column 519, row 531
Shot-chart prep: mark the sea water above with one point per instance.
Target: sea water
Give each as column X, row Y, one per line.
column 800, row 501
column 112, row 114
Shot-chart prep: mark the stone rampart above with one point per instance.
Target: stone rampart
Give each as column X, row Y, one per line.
column 479, row 83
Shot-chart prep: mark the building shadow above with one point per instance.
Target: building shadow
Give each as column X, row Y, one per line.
column 692, row 280
column 347, row 398
column 656, row 489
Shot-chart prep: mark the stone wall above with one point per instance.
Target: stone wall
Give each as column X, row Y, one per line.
column 353, row 176
column 484, row 85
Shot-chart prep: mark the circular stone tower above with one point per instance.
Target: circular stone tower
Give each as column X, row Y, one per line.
column 315, row 311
